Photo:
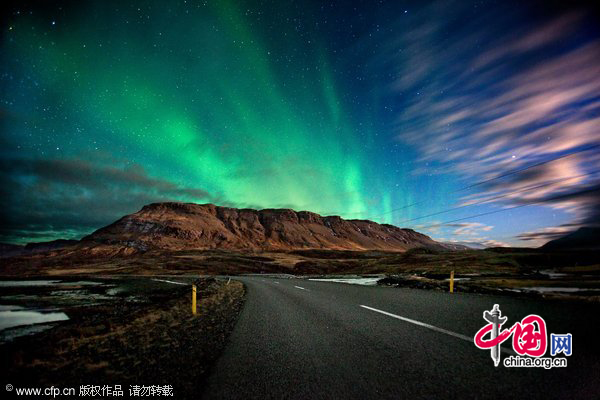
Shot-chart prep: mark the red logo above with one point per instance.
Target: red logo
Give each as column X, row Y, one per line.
column 529, row 335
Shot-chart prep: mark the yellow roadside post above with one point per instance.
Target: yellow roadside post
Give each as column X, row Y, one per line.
column 452, row 281
column 194, row 299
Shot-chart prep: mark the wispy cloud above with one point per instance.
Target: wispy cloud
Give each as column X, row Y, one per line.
column 470, row 228
column 472, row 234
column 524, row 97
column 545, row 234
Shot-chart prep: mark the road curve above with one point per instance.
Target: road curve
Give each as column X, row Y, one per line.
column 301, row 339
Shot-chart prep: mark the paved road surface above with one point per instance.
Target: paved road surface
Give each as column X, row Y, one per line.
column 300, row 339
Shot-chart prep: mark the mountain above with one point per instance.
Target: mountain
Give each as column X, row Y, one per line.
column 466, row 245
column 14, row 250
column 183, row 226
column 586, row 238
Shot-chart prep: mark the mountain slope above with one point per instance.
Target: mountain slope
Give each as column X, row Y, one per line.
column 585, row 238
column 181, row 226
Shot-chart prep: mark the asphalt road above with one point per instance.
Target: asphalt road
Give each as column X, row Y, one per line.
column 300, row 339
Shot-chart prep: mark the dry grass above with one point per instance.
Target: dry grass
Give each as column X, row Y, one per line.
column 157, row 343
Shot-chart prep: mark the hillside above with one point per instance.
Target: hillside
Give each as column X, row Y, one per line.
column 585, row 238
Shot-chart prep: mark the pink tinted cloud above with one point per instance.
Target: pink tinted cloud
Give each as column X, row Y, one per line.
column 549, row 108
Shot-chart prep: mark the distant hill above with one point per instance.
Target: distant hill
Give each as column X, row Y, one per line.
column 181, row 226
column 466, row 245
column 13, row 250
column 587, row 238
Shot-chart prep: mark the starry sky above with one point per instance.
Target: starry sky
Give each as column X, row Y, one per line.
column 473, row 121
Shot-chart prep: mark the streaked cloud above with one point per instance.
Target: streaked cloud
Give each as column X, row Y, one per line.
column 545, row 234
column 526, row 96
column 469, row 228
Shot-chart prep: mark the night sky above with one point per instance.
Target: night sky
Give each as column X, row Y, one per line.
column 390, row 111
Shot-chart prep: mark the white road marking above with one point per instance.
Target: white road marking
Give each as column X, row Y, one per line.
column 276, row 282
column 175, row 283
column 434, row 328
column 300, row 287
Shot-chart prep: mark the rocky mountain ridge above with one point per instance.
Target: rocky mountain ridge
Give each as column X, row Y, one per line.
column 181, row 226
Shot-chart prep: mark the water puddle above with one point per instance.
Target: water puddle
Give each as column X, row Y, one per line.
column 10, row 319
column 32, row 306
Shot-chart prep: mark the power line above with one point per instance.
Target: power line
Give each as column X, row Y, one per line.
column 509, row 173
column 516, row 171
column 499, row 197
column 510, row 208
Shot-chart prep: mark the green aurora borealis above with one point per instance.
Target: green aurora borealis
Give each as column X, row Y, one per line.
column 360, row 110
column 194, row 96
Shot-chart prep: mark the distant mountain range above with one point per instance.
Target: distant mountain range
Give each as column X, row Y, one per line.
column 187, row 226
column 14, row 250
column 468, row 245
